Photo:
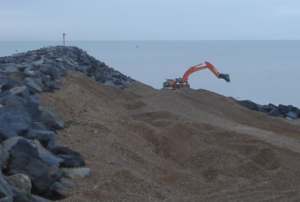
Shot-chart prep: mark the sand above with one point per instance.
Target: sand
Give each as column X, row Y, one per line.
column 144, row 144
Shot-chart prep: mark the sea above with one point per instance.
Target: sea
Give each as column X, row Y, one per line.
column 261, row 71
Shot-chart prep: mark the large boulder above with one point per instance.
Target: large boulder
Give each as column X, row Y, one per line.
column 24, row 158
column 13, row 122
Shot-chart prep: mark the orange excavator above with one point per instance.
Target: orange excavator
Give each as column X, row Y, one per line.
column 183, row 82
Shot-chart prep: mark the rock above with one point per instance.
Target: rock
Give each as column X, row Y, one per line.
column 76, row 172
column 13, row 122
column 52, row 72
column 45, row 137
column 6, row 193
column 18, row 90
column 71, row 158
column 34, row 84
column 19, row 196
column 50, row 119
column 47, row 156
column 8, row 68
column 275, row 112
column 62, row 188
column 21, row 182
column 292, row 115
column 25, row 103
column 38, row 199
column 249, row 104
column 24, row 158
column 30, row 72
column 4, row 156
column 283, row 109
column 7, row 84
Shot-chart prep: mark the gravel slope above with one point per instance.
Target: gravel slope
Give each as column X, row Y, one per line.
column 193, row 145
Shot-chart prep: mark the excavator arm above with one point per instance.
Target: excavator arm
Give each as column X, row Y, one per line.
column 205, row 65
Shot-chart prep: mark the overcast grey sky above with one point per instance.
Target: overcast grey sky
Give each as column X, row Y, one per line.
column 149, row 19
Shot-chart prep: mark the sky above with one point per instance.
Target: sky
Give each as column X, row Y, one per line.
column 33, row 20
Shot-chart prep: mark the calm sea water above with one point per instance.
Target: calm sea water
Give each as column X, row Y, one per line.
column 263, row 71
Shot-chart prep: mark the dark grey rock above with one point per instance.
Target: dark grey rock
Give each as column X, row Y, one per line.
column 24, row 158
column 29, row 71
column 13, row 122
column 20, row 181
column 18, row 90
column 249, row 104
column 275, row 112
column 8, row 68
column 283, row 109
column 61, row 189
column 35, row 85
column 292, row 115
column 7, row 83
column 47, row 156
column 19, row 196
column 38, row 199
column 70, row 158
column 6, row 192
column 50, row 119
column 44, row 136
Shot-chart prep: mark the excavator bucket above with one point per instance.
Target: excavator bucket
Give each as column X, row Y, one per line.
column 226, row 77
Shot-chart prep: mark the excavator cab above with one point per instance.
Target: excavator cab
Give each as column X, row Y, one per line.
column 175, row 84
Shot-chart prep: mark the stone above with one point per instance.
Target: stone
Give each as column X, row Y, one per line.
column 24, row 158
column 13, row 122
column 30, row 72
column 74, row 173
column 18, row 90
column 275, row 112
column 44, row 136
column 47, row 156
column 8, row 68
column 6, row 192
column 19, row 196
column 70, row 158
column 34, row 85
column 20, row 181
column 62, row 188
column 35, row 198
column 4, row 156
column 7, row 84
column 292, row 115
column 50, row 119
column 283, row 109
column 249, row 104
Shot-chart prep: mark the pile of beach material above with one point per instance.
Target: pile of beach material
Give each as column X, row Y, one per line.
column 34, row 166
column 284, row 111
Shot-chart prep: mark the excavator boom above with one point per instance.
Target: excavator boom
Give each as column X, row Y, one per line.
column 205, row 65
